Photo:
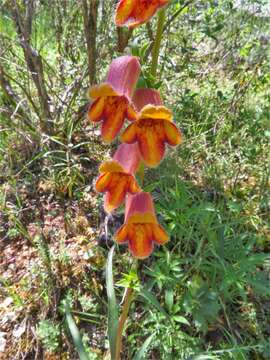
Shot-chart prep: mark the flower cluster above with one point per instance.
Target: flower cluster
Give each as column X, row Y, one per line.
column 143, row 140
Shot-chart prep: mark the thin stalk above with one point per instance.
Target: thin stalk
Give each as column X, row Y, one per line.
column 124, row 315
column 157, row 43
column 121, row 324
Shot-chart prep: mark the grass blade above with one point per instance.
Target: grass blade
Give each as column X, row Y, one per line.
column 75, row 334
column 153, row 300
column 112, row 305
column 141, row 353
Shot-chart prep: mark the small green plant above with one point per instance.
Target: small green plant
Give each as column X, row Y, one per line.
column 49, row 334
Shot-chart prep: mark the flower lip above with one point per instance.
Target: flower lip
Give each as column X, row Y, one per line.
column 111, row 166
column 102, row 90
column 155, row 112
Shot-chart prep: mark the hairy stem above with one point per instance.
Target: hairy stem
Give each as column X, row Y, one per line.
column 156, row 48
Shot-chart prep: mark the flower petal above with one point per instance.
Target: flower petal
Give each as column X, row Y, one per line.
column 172, row 133
column 123, row 75
column 129, row 136
column 143, row 97
column 103, row 182
column 116, row 193
column 159, row 234
column 131, row 113
column 140, row 208
column 139, row 240
column 114, row 116
column 96, row 110
column 133, row 186
column 121, row 235
column 129, row 157
column 151, row 144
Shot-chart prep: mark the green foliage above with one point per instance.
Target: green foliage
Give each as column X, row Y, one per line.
column 49, row 334
column 201, row 303
column 142, row 351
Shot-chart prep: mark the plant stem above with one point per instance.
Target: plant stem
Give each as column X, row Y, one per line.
column 122, row 320
column 121, row 323
column 156, row 48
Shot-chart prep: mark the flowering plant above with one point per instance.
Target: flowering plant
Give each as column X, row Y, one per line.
column 144, row 142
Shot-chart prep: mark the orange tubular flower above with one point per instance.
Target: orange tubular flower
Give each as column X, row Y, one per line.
column 141, row 229
column 117, row 176
column 132, row 13
column 153, row 128
column 112, row 99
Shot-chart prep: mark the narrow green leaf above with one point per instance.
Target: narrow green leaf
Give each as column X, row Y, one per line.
column 86, row 314
column 75, row 334
column 112, row 304
column 140, row 354
column 203, row 357
column 181, row 319
column 153, row 300
column 169, row 299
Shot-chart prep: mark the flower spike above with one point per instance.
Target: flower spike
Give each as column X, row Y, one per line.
column 141, row 228
column 112, row 99
column 132, row 13
column 117, row 176
column 153, row 128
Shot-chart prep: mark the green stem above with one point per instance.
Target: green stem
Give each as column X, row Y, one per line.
column 156, row 48
column 124, row 315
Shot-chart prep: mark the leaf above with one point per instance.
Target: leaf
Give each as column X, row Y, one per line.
column 151, row 187
column 204, row 357
column 140, row 354
column 169, row 298
column 75, row 334
column 201, row 303
column 153, row 300
column 112, row 304
column 261, row 284
column 181, row 319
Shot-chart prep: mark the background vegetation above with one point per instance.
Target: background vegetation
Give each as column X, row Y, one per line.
column 212, row 279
